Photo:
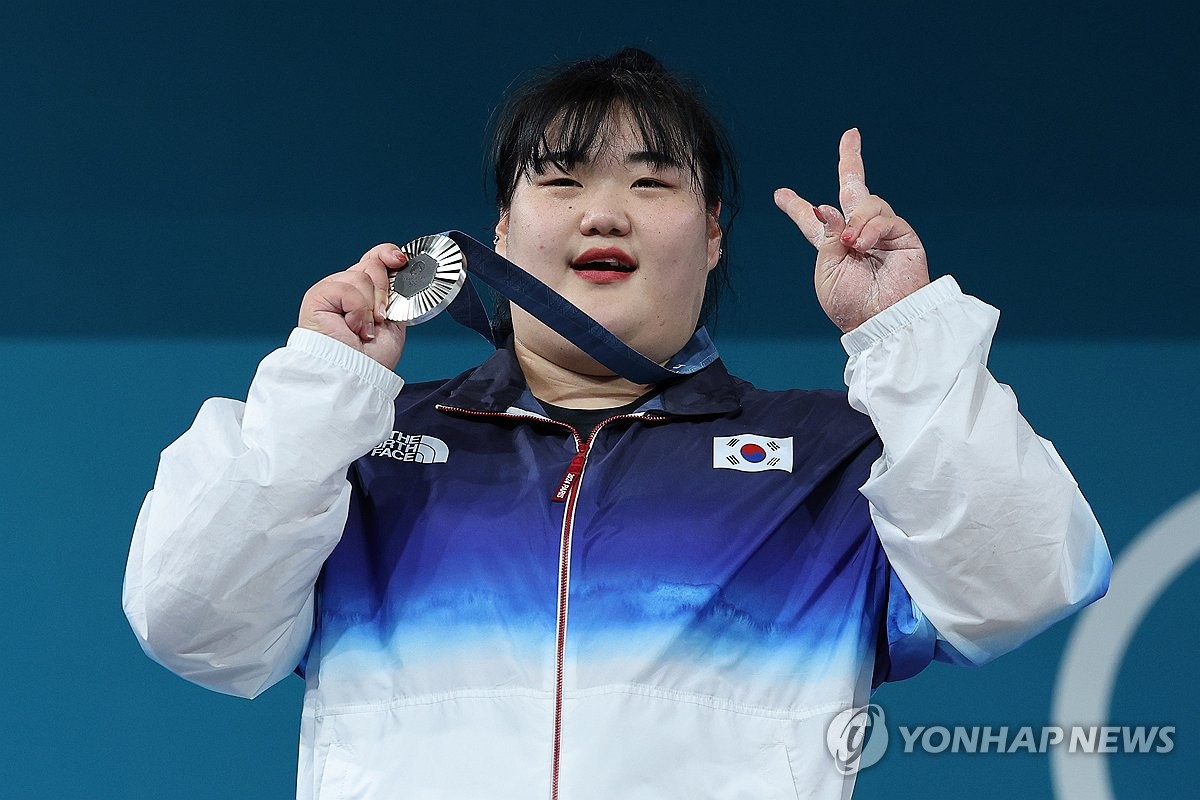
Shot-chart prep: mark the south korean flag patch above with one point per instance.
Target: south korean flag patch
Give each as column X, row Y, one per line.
column 749, row 453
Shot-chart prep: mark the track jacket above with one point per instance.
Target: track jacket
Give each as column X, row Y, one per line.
column 483, row 604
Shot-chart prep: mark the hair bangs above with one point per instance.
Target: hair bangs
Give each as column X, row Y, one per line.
column 580, row 130
column 567, row 117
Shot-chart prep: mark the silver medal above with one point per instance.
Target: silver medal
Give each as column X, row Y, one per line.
column 435, row 273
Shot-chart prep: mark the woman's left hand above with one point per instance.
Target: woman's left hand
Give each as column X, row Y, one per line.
column 867, row 257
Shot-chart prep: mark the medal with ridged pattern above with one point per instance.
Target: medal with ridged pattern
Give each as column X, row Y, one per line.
column 436, row 271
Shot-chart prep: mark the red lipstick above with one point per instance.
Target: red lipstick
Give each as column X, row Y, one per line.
column 604, row 265
column 605, row 257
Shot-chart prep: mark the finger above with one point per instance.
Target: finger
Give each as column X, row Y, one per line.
column 387, row 254
column 874, row 206
column 801, row 212
column 379, row 262
column 381, row 280
column 353, row 295
column 876, row 229
column 833, row 221
column 852, row 179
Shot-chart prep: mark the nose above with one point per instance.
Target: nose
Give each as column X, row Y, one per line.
column 604, row 215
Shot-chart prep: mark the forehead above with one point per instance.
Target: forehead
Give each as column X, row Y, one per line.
column 575, row 137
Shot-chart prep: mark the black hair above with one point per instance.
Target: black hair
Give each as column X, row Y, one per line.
column 562, row 114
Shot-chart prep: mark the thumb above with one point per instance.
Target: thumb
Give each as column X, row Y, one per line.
column 832, row 223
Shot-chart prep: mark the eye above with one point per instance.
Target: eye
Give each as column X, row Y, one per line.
column 560, row 181
column 650, row 183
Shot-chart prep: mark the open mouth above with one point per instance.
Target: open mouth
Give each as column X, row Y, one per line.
column 604, row 265
column 604, row 259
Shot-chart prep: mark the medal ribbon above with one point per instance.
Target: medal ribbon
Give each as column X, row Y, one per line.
column 564, row 318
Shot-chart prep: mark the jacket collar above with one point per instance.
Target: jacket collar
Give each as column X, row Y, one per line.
column 498, row 384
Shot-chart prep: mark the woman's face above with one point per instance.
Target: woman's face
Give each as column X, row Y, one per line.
column 629, row 243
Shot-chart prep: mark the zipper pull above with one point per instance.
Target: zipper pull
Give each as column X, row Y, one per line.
column 572, row 476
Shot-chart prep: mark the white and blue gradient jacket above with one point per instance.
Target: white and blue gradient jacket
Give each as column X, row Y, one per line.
column 471, row 622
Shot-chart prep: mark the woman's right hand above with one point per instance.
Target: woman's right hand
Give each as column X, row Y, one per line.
column 349, row 306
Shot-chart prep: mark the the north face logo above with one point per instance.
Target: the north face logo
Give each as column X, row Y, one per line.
column 413, row 447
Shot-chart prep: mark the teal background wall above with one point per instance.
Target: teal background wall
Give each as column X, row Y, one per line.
column 172, row 179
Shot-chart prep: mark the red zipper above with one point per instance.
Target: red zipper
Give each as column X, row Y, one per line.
column 573, row 472
column 568, row 492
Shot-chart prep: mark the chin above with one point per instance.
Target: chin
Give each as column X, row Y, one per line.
column 538, row 337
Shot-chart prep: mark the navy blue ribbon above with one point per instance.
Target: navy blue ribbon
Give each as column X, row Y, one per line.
column 564, row 318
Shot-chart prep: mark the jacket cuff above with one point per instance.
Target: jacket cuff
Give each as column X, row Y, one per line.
column 346, row 358
column 901, row 314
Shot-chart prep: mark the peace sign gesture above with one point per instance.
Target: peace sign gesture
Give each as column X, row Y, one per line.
column 867, row 259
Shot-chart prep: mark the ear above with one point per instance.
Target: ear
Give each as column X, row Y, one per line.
column 715, row 236
column 501, row 244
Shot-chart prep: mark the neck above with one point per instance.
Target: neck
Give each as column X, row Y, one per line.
column 563, row 386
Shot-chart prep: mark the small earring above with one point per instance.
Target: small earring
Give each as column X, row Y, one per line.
column 496, row 239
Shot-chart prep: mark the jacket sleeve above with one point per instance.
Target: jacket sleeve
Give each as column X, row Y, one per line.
column 979, row 517
column 245, row 508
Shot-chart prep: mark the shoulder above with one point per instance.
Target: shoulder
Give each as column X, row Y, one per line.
column 427, row 393
column 807, row 407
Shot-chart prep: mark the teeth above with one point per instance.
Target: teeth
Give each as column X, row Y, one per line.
column 614, row 263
